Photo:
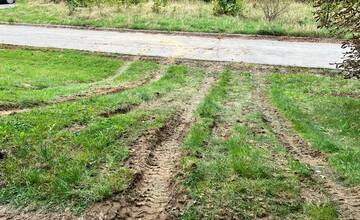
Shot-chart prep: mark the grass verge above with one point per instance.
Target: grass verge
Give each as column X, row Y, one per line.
column 235, row 166
column 31, row 77
column 326, row 112
column 189, row 16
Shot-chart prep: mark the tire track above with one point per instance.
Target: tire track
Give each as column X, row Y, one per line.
column 154, row 159
column 98, row 91
column 348, row 198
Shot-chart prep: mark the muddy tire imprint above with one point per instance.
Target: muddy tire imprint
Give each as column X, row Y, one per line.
column 97, row 91
column 154, row 159
column 8, row 213
column 347, row 198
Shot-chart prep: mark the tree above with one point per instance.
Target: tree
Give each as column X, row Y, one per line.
column 343, row 17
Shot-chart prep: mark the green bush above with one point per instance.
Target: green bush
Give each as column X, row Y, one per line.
column 158, row 5
column 227, row 7
column 342, row 17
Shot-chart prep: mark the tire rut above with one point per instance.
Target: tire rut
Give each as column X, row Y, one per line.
column 347, row 198
column 154, row 160
column 98, row 91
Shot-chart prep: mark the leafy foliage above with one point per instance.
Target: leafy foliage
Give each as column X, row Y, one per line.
column 227, row 7
column 158, row 5
column 342, row 17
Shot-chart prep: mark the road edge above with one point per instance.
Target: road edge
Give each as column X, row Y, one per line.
column 184, row 33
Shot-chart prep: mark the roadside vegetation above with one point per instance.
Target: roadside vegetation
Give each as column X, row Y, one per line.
column 342, row 18
column 294, row 18
column 236, row 167
column 203, row 126
column 30, row 77
column 70, row 155
column 325, row 111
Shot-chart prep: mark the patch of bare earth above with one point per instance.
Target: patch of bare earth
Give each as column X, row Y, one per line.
column 96, row 91
column 10, row 214
column 154, row 159
column 347, row 198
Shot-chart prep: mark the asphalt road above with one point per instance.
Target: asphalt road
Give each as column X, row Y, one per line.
column 239, row 49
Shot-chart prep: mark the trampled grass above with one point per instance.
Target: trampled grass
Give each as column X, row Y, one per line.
column 189, row 16
column 232, row 167
column 326, row 111
column 68, row 156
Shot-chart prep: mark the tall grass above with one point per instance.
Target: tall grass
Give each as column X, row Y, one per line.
column 183, row 15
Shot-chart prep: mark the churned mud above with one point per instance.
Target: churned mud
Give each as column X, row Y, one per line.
column 347, row 198
column 118, row 111
column 155, row 155
column 154, row 160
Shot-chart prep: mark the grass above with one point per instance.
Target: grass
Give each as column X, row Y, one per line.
column 185, row 15
column 136, row 71
column 232, row 166
column 325, row 111
column 67, row 156
column 30, row 77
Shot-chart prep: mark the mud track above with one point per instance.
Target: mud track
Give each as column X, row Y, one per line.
column 97, row 91
column 154, row 160
column 347, row 198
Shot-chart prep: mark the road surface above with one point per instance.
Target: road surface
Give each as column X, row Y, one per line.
column 236, row 49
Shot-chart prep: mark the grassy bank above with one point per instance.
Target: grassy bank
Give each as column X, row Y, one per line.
column 185, row 15
column 326, row 111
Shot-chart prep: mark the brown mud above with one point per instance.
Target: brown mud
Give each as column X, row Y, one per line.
column 118, row 111
column 154, row 159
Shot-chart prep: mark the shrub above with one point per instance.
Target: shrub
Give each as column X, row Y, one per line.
column 158, row 5
column 227, row 7
column 128, row 2
column 73, row 4
column 273, row 8
column 342, row 17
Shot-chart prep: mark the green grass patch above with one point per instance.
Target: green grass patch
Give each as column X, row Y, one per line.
column 190, row 16
column 31, row 77
column 324, row 212
column 136, row 71
column 326, row 112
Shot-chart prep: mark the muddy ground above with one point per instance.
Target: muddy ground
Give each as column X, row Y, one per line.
column 155, row 156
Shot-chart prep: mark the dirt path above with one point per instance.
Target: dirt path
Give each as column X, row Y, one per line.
column 96, row 91
column 154, row 159
column 348, row 198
